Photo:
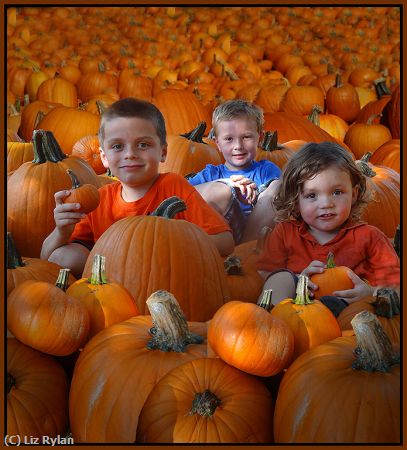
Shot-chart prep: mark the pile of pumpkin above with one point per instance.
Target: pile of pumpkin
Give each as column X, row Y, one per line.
column 113, row 356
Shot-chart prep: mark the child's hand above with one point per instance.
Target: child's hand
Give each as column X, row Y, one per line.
column 65, row 214
column 313, row 268
column 359, row 291
column 247, row 188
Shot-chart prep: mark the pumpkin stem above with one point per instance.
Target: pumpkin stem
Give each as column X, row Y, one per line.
column 381, row 88
column 338, row 81
column 204, row 404
column 62, row 280
column 330, row 261
column 170, row 328
column 46, row 147
column 75, row 182
column 101, row 107
column 233, row 265
column 270, row 141
column 374, row 351
column 98, row 274
column 265, row 301
column 315, row 115
column 371, row 118
column 197, row 133
column 302, row 296
column 11, row 381
column 387, row 303
column 13, row 257
column 169, row 207
column 364, row 167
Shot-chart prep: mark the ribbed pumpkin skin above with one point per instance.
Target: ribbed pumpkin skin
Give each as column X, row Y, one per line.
column 247, row 337
column 321, row 399
column 384, row 211
column 69, row 125
column 147, row 253
column 114, row 375
column 311, row 324
column 18, row 153
column 58, row 90
column 388, row 155
column 333, row 279
column 185, row 156
column 31, row 202
column 245, row 414
column 38, row 403
column 181, row 110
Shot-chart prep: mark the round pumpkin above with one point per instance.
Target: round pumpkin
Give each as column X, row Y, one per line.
column 207, row 401
column 37, row 394
column 121, row 365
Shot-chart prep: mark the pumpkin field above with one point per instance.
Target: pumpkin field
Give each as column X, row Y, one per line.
column 161, row 340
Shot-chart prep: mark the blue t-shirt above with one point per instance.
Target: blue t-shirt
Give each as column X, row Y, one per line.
column 260, row 172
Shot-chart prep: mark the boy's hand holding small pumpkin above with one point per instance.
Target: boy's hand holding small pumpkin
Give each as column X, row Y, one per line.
column 247, row 188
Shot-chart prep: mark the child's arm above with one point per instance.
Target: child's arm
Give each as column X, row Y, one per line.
column 224, row 242
column 56, row 247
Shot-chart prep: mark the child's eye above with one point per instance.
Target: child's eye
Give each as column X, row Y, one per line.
column 310, row 195
column 116, row 147
column 142, row 145
column 338, row 192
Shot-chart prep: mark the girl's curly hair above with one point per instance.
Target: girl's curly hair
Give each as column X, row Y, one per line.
column 309, row 161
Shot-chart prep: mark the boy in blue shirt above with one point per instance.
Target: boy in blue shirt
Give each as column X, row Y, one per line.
column 241, row 189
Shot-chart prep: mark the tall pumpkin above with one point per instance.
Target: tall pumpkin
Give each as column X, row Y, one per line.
column 147, row 253
column 342, row 100
column 31, row 189
column 120, row 366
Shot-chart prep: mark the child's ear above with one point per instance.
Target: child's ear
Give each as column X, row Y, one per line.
column 261, row 137
column 164, row 153
column 103, row 158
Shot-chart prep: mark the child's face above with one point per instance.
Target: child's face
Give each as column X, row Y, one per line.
column 132, row 150
column 238, row 140
column 326, row 200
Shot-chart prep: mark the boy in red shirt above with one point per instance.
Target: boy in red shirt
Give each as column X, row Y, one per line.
column 318, row 207
column 133, row 142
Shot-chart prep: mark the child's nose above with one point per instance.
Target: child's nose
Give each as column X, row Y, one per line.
column 326, row 201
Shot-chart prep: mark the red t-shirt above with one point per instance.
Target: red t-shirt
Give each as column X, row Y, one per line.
column 112, row 208
column 361, row 247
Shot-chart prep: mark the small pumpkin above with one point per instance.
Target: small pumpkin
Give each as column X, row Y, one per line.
column 311, row 322
column 87, row 195
column 43, row 316
column 342, row 100
column 107, row 302
column 334, row 278
column 88, row 148
column 248, row 337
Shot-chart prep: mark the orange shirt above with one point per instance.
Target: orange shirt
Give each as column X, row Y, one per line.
column 361, row 247
column 113, row 208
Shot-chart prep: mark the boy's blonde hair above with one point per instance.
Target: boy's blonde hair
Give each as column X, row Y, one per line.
column 133, row 107
column 237, row 108
column 309, row 161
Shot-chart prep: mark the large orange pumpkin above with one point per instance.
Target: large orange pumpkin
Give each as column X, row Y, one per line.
column 147, row 253
column 120, row 366
column 207, row 401
column 346, row 391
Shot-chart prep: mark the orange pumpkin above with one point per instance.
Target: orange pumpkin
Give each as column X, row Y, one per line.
column 238, row 326
column 361, row 372
column 342, row 100
column 88, row 148
column 311, row 322
column 87, row 195
column 334, row 278
column 18, row 153
column 207, row 401
column 141, row 350
column 37, row 394
column 272, row 151
column 107, row 302
column 58, row 90
column 43, row 316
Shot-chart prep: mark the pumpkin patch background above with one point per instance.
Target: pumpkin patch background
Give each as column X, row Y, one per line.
column 321, row 73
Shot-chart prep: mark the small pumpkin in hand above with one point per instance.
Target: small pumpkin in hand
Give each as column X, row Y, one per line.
column 86, row 194
column 334, row 278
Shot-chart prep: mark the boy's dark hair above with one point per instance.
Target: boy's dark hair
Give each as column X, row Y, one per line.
column 309, row 161
column 134, row 107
